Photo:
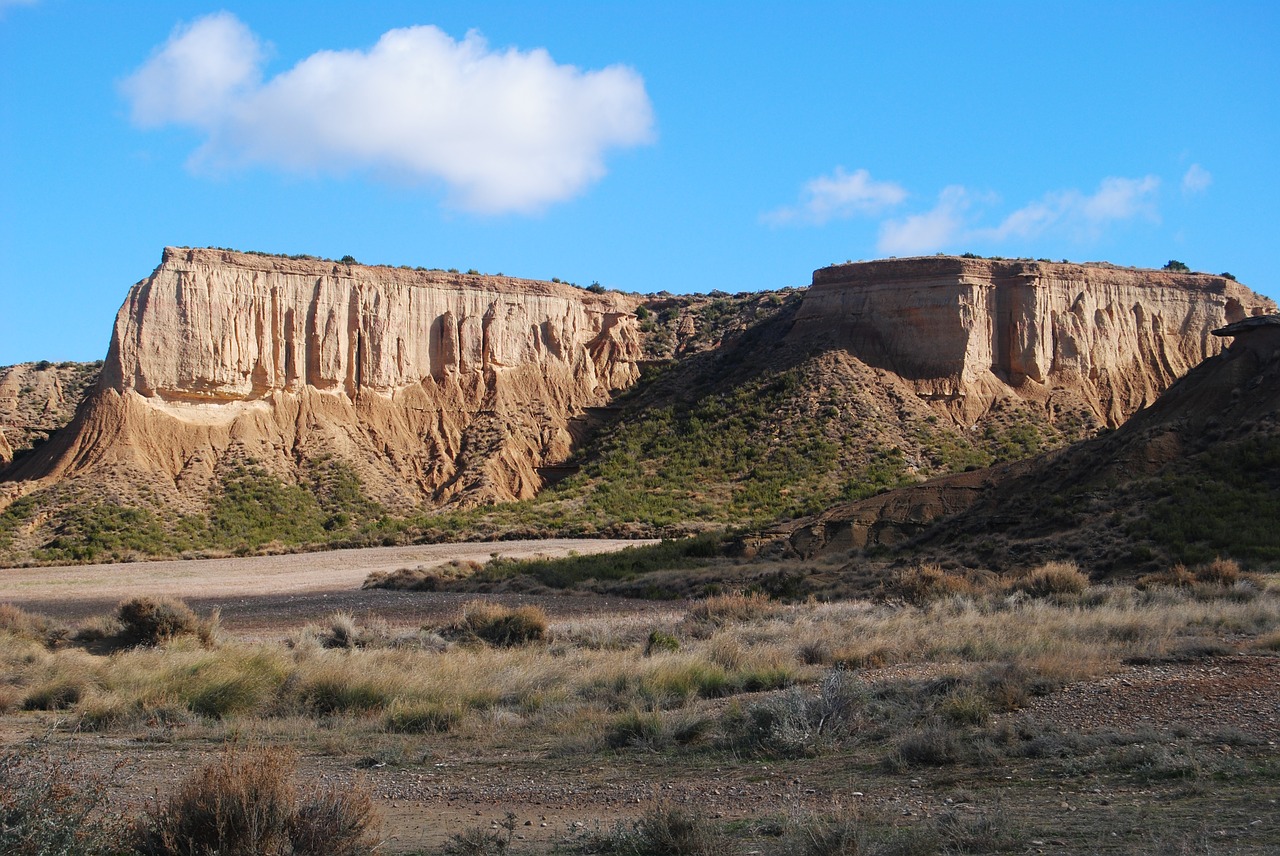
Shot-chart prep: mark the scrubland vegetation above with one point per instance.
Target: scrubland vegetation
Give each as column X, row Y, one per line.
column 944, row 678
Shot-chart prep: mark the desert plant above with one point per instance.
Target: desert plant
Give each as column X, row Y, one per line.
column 503, row 626
column 836, row 833
column 51, row 807
column 737, row 606
column 243, row 804
column 421, row 717
column 925, row 583
column 155, row 621
column 669, row 830
column 1176, row 266
column 661, row 642
column 1052, row 578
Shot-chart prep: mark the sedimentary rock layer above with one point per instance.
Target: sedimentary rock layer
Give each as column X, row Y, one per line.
column 431, row 385
column 968, row 332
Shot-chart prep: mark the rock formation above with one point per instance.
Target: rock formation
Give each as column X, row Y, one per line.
column 1195, row 475
column 407, row 389
column 433, row 386
column 36, row 399
column 968, row 332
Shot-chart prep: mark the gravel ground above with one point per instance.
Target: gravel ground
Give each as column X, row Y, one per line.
column 262, row 593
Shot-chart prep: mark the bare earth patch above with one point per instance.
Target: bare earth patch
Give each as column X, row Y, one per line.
column 275, row 592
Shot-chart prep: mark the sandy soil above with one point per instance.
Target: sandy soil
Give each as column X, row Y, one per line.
column 279, row 591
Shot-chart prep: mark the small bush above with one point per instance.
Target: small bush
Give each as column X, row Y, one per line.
column 668, row 830
column 244, row 805
column 51, row 806
column 836, row 834
column 660, row 643
column 28, row 625
column 636, row 729
column 724, row 608
column 154, row 621
column 926, row 583
column 935, row 744
column 502, row 626
column 1223, row 572
column 1053, row 578
column 421, row 717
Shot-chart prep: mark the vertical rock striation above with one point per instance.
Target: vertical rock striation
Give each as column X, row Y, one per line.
column 966, row 333
column 433, row 386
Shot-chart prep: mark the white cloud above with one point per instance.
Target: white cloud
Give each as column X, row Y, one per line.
column 505, row 130
column 956, row 218
column 838, row 196
column 930, row 231
column 1078, row 215
column 1196, row 180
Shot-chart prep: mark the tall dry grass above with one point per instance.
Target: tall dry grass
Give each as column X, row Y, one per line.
column 587, row 672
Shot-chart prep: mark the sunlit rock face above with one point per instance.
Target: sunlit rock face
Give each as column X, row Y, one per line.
column 969, row 332
column 434, row 386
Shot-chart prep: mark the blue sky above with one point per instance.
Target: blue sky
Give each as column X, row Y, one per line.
column 648, row 146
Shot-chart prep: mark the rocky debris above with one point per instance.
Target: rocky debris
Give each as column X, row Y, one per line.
column 6, row 452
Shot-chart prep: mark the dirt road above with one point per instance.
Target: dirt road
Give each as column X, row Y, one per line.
column 280, row 591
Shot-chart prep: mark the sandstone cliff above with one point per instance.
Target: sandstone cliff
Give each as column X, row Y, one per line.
column 969, row 332
column 1195, row 475
column 433, row 386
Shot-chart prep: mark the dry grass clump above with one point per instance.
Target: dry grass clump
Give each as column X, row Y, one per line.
column 157, row 621
column 421, row 578
column 1215, row 579
column 721, row 609
column 1053, row 578
column 926, row 583
column 243, row 804
column 666, row 829
column 28, row 625
column 503, row 626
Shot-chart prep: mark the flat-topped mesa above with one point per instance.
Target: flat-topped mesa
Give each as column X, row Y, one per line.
column 215, row 325
column 433, row 386
column 969, row 332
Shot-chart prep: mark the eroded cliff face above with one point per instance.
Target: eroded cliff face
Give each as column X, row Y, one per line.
column 432, row 386
column 966, row 333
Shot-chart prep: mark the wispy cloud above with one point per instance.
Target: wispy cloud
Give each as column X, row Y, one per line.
column 504, row 130
column 1196, row 180
column 6, row 5
column 838, row 196
column 1077, row 215
column 956, row 218
column 931, row 231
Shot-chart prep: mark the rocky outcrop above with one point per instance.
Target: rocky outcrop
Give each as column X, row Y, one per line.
column 966, row 333
column 434, row 386
column 37, row 399
column 1194, row 475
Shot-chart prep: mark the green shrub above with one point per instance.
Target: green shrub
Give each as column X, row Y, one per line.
column 661, row 643
column 636, row 729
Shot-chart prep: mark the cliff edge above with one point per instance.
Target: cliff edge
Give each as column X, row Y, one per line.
column 965, row 333
column 432, row 386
